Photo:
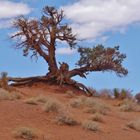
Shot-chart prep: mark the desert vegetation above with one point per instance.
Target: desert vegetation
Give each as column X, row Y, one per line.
column 97, row 117
column 25, row 133
column 6, row 95
column 65, row 119
column 90, row 125
column 129, row 105
column 135, row 124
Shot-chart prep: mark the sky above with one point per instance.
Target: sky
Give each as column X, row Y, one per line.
column 107, row 22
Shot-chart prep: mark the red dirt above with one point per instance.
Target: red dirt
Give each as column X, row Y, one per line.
column 17, row 113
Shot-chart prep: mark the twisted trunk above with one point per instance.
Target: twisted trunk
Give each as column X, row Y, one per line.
column 61, row 77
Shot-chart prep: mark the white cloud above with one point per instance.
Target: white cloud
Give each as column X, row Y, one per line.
column 65, row 51
column 9, row 10
column 92, row 18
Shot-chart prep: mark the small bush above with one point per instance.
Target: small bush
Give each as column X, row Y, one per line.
column 41, row 99
column 83, row 101
column 90, row 125
column 98, row 108
column 122, row 94
column 31, row 101
column 134, row 125
column 65, row 119
column 129, row 105
column 125, row 94
column 90, row 102
column 5, row 95
column 75, row 103
column 3, row 80
column 52, row 105
column 116, row 93
column 137, row 97
column 35, row 100
column 25, row 133
column 97, row 117
column 70, row 94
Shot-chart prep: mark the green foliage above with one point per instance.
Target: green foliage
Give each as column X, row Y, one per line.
column 116, row 93
column 99, row 58
column 122, row 94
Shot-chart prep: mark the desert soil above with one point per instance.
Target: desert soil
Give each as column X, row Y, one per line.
column 17, row 113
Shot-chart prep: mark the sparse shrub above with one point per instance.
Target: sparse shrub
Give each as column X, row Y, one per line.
column 122, row 94
column 116, row 93
column 83, row 101
column 129, row 105
column 5, row 95
column 70, row 94
column 31, row 101
column 3, row 80
column 91, row 110
column 65, row 119
column 75, row 103
column 126, row 107
column 97, row 117
column 125, row 94
column 90, row 125
column 35, row 100
column 98, row 108
column 90, row 102
column 41, row 99
column 25, row 133
column 137, row 97
column 134, row 125
column 52, row 105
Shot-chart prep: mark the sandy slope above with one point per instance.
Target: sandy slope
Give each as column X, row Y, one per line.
column 17, row 113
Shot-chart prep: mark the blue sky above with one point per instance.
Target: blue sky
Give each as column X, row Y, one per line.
column 110, row 22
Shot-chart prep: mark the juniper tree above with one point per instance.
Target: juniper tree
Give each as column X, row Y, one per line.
column 39, row 37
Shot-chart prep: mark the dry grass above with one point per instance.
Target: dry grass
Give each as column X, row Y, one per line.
column 70, row 94
column 134, row 125
column 97, row 117
column 41, row 99
column 52, row 105
column 129, row 105
column 31, row 101
column 76, row 103
column 65, row 119
column 5, row 95
column 82, row 101
column 36, row 100
column 25, row 133
column 94, row 105
column 98, row 108
column 90, row 125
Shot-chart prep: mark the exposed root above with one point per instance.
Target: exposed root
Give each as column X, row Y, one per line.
column 48, row 79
